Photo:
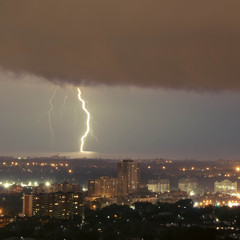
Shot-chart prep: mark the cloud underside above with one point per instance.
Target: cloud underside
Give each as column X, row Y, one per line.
column 174, row 44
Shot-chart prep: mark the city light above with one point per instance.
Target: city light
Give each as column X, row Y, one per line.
column 6, row 185
column 47, row 184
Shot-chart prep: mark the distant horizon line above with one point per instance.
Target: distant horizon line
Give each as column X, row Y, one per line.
column 103, row 156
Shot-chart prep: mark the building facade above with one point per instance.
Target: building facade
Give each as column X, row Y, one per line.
column 128, row 177
column 58, row 205
column 159, row 186
column 226, row 187
column 28, row 205
column 188, row 185
column 102, row 187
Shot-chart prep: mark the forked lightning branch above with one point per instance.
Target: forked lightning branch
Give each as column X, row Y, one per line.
column 83, row 104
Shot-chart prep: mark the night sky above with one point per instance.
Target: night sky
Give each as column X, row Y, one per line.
column 160, row 79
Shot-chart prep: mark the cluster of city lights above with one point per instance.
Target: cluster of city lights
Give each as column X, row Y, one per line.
column 37, row 164
column 28, row 164
column 230, row 203
column 8, row 184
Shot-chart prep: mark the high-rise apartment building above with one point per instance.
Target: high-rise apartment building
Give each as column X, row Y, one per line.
column 27, row 205
column 102, row 187
column 58, row 205
column 93, row 186
column 128, row 177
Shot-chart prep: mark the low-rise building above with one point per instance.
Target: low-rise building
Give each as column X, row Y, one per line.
column 226, row 187
column 188, row 185
column 159, row 186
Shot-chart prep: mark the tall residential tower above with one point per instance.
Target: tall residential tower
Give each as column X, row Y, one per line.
column 128, row 177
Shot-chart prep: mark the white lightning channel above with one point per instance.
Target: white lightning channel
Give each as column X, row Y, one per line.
column 50, row 111
column 88, row 120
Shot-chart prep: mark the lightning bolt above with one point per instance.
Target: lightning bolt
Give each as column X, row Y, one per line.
column 62, row 107
column 88, row 120
column 50, row 111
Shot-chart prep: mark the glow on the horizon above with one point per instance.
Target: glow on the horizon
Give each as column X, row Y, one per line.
column 88, row 120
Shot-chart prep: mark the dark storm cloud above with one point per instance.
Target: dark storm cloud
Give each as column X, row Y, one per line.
column 176, row 44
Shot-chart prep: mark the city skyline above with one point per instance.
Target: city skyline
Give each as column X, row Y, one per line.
column 119, row 120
